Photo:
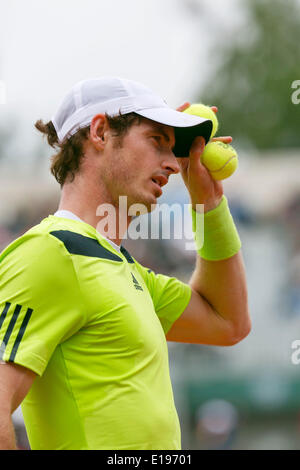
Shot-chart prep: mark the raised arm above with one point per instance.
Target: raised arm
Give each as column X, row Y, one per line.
column 218, row 312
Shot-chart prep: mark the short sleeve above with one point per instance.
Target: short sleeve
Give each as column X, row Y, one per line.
column 170, row 296
column 40, row 300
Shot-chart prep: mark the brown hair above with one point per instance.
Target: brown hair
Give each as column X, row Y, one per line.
column 66, row 162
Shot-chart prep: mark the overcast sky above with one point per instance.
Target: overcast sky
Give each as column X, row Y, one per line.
column 47, row 46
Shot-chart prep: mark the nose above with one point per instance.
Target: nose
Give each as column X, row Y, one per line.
column 171, row 164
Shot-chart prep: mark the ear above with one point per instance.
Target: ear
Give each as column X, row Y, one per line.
column 98, row 131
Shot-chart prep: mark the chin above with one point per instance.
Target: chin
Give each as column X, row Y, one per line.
column 148, row 202
column 153, row 206
column 147, row 205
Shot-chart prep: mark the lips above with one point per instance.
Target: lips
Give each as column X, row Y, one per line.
column 160, row 180
column 157, row 187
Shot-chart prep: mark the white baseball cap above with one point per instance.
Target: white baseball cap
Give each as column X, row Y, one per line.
column 115, row 96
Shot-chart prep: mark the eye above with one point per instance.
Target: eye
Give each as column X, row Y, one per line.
column 158, row 140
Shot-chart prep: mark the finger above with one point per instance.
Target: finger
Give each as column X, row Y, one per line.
column 227, row 139
column 197, row 149
column 183, row 107
column 215, row 109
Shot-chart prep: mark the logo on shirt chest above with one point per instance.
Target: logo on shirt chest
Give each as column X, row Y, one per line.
column 136, row 283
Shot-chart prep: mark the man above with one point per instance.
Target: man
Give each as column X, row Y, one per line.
column 83, row 326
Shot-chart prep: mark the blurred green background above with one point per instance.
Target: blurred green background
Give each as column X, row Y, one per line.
column 242, row 56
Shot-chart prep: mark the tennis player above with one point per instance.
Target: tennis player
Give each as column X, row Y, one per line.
column 83, row 325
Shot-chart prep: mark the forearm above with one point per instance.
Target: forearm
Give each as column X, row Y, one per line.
column 7, row 433
column 219, row 276
column 223, row 284
column 219, row 280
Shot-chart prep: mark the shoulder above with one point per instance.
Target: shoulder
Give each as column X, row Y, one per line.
column 36, row 251
column 38, row 268
column 50, row 234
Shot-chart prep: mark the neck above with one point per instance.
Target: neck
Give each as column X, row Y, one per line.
column 96, row 207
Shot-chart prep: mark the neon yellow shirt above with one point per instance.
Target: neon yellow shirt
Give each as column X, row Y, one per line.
column 91, row 322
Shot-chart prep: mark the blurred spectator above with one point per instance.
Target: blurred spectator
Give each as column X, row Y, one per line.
column 216, row 425
column 293, row 285
column 291, row 217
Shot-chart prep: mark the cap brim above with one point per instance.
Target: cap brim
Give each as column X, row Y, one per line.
column 186, row 127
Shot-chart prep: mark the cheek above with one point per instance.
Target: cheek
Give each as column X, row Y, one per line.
column 123, row 173
column 132, row 164
column 136, row 166
column 147, row 160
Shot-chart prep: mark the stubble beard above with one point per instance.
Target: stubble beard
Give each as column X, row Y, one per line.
column 122, row 182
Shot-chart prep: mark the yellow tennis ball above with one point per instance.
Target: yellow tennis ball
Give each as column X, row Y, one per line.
column 206, row 112
column 220, row 159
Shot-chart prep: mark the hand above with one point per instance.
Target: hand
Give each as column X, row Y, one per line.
column 203, row 189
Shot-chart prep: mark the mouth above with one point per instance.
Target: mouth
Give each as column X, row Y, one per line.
column 160, row 180
column 157, row 187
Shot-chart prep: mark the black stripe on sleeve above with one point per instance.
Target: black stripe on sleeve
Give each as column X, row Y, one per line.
column 20, row 334
column 12, row 324
column 4, row 313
